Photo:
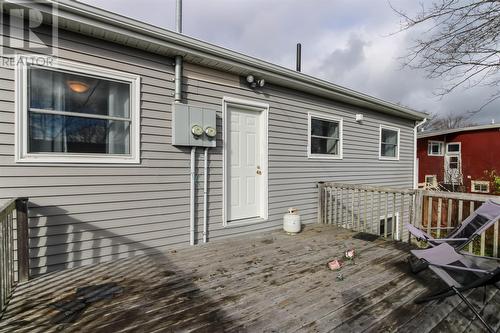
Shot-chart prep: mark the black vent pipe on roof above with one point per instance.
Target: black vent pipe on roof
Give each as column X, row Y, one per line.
column 299, row 56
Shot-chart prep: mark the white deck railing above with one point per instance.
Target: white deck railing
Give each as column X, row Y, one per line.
column 385, row 211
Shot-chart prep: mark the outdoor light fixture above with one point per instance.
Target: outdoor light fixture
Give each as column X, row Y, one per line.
column 254, row 83
column 78, row 87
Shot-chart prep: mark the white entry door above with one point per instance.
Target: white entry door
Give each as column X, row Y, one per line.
column 244, row 175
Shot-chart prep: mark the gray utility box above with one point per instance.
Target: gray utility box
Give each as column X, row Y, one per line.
column 193, row 126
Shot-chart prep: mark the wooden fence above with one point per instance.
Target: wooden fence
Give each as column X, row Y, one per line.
column 14, row 266
column 384, row 212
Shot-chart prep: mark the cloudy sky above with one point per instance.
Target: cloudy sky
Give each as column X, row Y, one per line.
column 347, row 42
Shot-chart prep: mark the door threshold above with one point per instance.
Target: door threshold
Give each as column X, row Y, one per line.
column 240, row 222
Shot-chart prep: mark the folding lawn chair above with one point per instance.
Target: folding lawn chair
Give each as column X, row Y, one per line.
column 480, row 220
column 459, row 272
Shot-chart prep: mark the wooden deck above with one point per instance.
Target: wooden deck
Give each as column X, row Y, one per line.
column 268, row 282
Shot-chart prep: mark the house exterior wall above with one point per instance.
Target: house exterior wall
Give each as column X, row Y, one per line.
column 479, row 153
column 429, row 165
column 83, row 214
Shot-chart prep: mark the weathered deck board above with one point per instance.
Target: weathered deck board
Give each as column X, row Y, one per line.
column 266, row 282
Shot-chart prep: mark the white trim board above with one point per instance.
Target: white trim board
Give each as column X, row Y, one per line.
column 250, row 106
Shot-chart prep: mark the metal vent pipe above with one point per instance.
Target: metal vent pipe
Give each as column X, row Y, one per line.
column 299, row 57
column 178, row 59
column 178, row 16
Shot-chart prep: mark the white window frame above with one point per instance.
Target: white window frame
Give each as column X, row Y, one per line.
column 429, row 151
column 388, row 158
column 396, row 215
column 434, row 183
column 22, row 103
column 479, row 182
column 454, row 152
column 330, row 118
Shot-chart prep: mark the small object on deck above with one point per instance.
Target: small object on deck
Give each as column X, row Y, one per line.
column 350, row 255
column 335, row 264
column 291, row 221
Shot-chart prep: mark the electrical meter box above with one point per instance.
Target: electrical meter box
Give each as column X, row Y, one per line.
column 193, row 126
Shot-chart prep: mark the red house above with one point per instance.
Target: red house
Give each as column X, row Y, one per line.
column 462, row 159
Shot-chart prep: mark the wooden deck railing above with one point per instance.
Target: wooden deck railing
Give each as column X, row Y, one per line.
column 384, row 212
column 376, row 210
column 442, row 211
column 14, row 266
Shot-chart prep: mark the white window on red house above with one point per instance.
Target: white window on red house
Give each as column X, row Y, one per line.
column 435, row 148
column 453, row 148
column 453, row 162
column 430, row 180
column 480, row 186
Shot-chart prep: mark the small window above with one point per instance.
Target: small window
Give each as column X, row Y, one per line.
column 435, row 148
column 389, row 226
column 453, row 162
column 75, row 115
column 480, row 186
column 325, row 137
column 389, row 143
column 430, row 181
column 453, row 148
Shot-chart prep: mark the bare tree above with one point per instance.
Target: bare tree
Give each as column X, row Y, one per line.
column 460, row 43
column 448, row 121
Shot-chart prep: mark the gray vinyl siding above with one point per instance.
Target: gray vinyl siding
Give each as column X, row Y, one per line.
column 83, row 214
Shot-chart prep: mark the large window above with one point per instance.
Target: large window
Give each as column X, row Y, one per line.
column 389, row 143
column 435, row 148
column 325, row 137
column 74, row 115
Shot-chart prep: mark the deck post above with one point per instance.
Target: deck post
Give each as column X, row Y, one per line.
column 321, row 202
column 419, row 206
column 22, row 238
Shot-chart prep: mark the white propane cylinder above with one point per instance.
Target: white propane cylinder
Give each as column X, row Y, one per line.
column 291, row 221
